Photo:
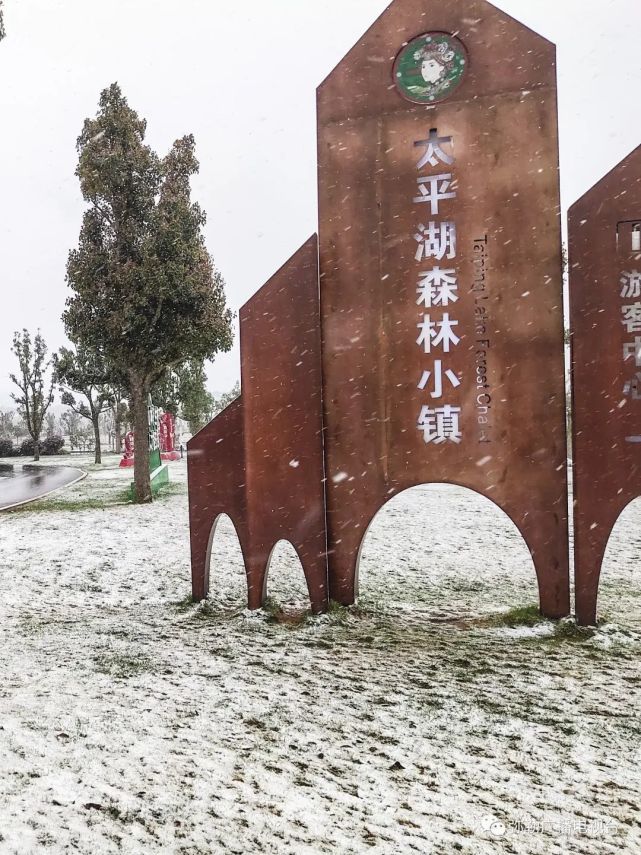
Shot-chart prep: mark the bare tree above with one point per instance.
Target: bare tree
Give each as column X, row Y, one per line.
column 71, row 423
column 84, row 371
column 7, row 423
column 52, row 424
column 36, row 390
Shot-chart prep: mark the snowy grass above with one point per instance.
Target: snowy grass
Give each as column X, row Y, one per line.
column 440, row 714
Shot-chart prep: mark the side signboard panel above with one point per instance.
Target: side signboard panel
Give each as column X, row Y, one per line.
column 604, row 230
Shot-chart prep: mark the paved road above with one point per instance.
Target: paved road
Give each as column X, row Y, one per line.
column 25, row 483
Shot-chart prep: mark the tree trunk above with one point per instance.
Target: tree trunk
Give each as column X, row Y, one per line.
column 117, row 425
column 118, row 435
column 142, row 480
column 95, row 418
column 36, row 448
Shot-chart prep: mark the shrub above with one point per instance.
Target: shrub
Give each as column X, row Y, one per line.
column 52, row 445
column 27, row 446
column 6, row 447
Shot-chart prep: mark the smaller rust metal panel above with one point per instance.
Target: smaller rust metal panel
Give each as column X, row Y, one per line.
column 605, row 316
column 216, row 480
column 281, row 382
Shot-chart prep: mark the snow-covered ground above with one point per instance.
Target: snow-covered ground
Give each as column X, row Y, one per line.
column 133, row 721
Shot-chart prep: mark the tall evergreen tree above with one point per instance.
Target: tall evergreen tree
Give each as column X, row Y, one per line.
column 35, row 388
column 145, row 290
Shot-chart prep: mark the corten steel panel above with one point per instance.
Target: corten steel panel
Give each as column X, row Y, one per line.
column 606, row 418
column 281, row 382
column 216, row 477
column 503, row 122
column 261, row 459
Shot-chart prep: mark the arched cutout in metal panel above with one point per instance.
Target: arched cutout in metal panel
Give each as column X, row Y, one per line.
column 452, row 545
column 229, row 561
column 285, row 576
column 620, row 578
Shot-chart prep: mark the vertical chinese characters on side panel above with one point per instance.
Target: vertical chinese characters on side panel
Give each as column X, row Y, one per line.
column 630, row 282
column 437, row 290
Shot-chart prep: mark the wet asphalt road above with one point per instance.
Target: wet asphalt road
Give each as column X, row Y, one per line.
column 25, row 482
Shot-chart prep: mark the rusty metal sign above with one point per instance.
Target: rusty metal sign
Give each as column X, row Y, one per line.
column 261, row 460
column 441, row 295
column 441, row 323
column 604, row 230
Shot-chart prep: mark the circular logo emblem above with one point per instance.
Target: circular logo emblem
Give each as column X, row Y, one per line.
column 430, row 68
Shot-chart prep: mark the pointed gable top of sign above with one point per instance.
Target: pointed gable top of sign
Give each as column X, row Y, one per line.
column 503, row 56
column 620, row 185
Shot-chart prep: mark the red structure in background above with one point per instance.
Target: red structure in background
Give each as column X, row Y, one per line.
column 604, row 229
column 128, row 456
column 438, row 175
column 167, row 437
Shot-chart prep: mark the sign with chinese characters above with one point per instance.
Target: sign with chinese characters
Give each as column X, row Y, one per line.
column 440, row 277
column 436, row 353
column 437, row 290
column 630, row 282
column 604, row 230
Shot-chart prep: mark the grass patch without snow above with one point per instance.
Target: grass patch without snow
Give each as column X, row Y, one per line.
column 122, row 665
column 83, row 504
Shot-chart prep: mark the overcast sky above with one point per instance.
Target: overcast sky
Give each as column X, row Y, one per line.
column 241, row 78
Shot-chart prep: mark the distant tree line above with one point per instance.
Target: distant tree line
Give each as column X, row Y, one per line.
column 96, row 406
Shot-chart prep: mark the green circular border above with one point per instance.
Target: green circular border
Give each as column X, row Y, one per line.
column 413, row 45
